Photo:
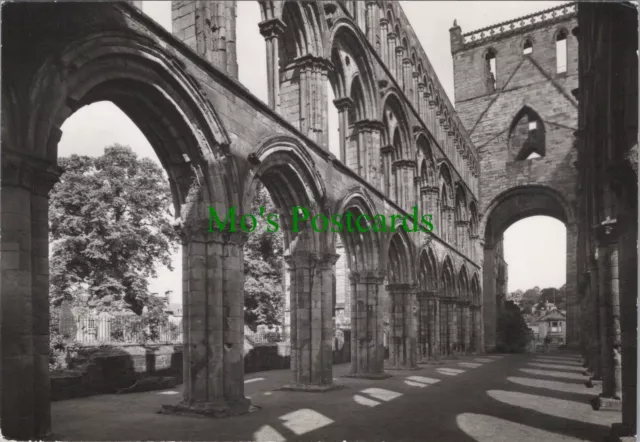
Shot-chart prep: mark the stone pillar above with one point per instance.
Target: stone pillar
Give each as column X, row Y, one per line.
column 594, row 332
column 414, row 90
column 311, row 321
column 404, row 327
column 313, row 81
column 399, row 72
column 392, row 64
column 462, row 228
column 629, row 320
column 368, row 135
column 573, row 307
column 372, row 21
column 367, row 348
column 213, row 323
column 607, row 237
column 24, row 290
column 384, row 41
column 421, row 103
column 435, row 324
column 407, row 79
column 386, row 153
column 343, row 105
column 467, row 328
column 489, row 307
column 272, row 30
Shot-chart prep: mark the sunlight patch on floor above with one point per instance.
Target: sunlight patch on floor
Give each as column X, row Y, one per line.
column 169, row 392
column 266, row 433
column 365, row 401
column 449, row 371
column 557, row 366
column 554, row 374
column 469, row 364
column 567, row 387
column 420, row 381
column 484, row 428
column 561, row 408
column 381, row 394
column 248, row 381
column 483, row 360
column 305, row 420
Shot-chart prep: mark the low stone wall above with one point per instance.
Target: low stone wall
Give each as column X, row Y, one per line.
column 105, row 370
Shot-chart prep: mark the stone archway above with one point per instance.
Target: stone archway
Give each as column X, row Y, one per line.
column 189, row 140
column 283, row 166
column 363, row 246
column 506, row 209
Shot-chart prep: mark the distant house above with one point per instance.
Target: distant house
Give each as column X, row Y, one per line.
column 554, row 325
column 174, row 311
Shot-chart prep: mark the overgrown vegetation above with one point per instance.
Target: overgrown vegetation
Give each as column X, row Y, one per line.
column 263, row 269
column 512, row 332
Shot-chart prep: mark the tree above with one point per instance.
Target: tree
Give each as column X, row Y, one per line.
column 513, row 334
column 110, row 223
column 263, row 267
column 529, row 299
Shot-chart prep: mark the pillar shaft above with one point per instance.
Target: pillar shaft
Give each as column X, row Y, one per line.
column 24, row 289
column 213, row 321
column 609, row 288
column 272, row 30
column 366, row 324
column 311, row 318
column 404, row 324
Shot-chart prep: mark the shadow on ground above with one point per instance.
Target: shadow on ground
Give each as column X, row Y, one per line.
column 487, row 398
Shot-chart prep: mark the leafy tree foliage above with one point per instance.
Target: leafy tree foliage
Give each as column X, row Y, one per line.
column 110, row 222
column 263, row 268
column 512, row 332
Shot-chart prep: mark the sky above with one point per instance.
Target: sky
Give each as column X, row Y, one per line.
column 535, row 248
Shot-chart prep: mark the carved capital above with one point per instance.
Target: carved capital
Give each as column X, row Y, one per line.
column 462, row 223
column 391, row 35
column 312, row 63
column 403, row 164
column 343, row 103
column 607, row 232
column 326, row 261
column 272, row 28
column 388, row 149
column 33, row 174
column 384, row 21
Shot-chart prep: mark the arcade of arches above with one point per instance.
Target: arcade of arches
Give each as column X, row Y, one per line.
column 402, row 144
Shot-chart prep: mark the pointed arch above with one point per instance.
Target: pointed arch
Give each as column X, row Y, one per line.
column 475, row 290
column 463, row 283
column 399, row 261
column 349, row 54
column 526, row 135
column 428, row 270
column 305, row 27
column 447, row 278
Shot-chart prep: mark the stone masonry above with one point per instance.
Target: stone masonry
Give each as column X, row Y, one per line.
column 402, row 145
column 529, row 109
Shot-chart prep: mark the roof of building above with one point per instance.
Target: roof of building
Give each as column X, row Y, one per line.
column 553, row 315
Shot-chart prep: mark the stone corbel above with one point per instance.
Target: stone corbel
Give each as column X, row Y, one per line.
column 272, row 28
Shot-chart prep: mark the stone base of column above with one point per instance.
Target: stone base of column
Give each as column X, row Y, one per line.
column 588, row 373
column 311, row 388
column 593, row 382
column 621, row 433
column 371, row 376
column 602, row 403
column 210, row 409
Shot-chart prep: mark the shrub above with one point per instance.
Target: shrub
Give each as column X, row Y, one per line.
column 512, row 331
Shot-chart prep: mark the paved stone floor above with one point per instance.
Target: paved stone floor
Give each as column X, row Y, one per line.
column 538, row 397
